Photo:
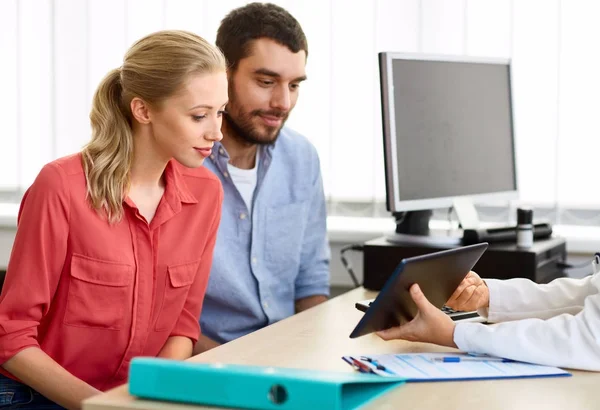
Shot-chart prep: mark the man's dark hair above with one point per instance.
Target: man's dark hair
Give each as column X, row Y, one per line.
column 245, row 24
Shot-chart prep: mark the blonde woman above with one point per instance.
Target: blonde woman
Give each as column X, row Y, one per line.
column 114, row 244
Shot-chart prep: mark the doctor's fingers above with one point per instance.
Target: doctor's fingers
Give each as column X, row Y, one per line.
column 466, row 284
column 471, row 279
column 404, row 332
column 465, row 298
column 472, row 298
column 462, row 293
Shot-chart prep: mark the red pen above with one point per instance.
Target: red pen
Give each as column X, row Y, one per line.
column 363, row 368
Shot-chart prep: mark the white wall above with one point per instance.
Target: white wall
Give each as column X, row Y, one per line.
column 54, row 53
column 7, row 237
column 339, row 274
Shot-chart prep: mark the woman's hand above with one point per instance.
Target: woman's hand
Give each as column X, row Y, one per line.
column 471, row 294
column 431, row 325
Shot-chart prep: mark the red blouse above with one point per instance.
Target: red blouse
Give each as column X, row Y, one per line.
column 93, row 295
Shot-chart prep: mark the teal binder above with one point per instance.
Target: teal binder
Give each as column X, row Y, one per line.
column 253, row 387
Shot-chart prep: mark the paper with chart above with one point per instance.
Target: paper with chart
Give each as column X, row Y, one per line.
column 449, row 366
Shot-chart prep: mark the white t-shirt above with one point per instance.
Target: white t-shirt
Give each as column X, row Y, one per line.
column 245, row 181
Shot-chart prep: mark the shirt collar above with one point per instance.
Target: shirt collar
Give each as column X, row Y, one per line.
column 176, row 190
column 219, row 153
column 176, row 193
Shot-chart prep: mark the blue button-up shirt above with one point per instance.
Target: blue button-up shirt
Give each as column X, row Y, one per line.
column 265, row 261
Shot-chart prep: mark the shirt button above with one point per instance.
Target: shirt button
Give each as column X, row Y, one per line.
column 212, row 156
column 226, row 174
column 265, row 305
column 254, row 260
column 242, row 216
column 221, row 151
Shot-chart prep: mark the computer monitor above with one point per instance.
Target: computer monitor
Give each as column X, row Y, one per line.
column 448, row 136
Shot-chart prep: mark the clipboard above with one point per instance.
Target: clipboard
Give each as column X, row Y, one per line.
column 253, row 387
column 429, row 367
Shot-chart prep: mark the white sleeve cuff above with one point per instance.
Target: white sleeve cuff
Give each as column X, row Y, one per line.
column 494, row 312
column 462, row 335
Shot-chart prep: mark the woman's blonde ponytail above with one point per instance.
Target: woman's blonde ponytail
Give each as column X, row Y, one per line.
column 107, row 158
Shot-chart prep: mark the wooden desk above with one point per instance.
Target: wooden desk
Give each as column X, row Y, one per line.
column 317, row 338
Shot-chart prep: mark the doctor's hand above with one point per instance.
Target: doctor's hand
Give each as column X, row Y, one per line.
column 471, row 294
column 430, row 325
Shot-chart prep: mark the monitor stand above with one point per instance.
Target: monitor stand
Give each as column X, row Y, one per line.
column 466, row 213
column 413, row 227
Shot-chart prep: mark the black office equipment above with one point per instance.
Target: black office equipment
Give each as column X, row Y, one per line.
column 503, row 234
column 437, row 274
column 540, row 263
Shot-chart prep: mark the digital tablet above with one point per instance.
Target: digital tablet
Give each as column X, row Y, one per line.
column 438, row 275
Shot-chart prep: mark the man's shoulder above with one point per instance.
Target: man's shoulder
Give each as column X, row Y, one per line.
column 295, row 144
column 296, row 158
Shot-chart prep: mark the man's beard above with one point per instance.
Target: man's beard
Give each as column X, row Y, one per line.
column 245, row 130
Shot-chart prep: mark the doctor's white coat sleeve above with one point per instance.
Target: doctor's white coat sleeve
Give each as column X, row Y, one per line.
column 515, row 299
column 562, row 326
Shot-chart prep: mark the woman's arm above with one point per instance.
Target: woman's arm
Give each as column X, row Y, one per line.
column 204, row 343
column 35, row 368
column 177, row 347
column 33, row 274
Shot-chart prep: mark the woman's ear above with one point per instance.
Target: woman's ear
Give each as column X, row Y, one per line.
column 140, row 110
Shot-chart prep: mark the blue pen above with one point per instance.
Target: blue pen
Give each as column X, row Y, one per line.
column 483, row 356
column 450, row 359
column 456, row 359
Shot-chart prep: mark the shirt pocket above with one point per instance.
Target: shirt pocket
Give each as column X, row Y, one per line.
column 99, row 293
column 285, row 226
column 179, row 279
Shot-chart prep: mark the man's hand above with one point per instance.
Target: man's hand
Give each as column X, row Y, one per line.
column 471, row 294
column 306, row 303
column 431, row 325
